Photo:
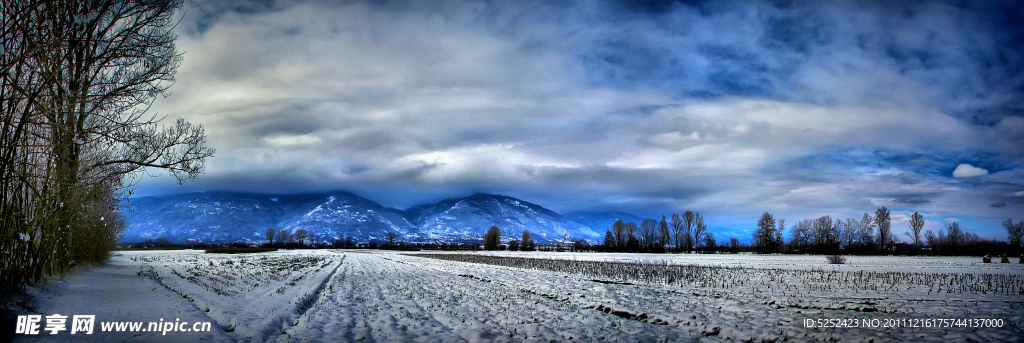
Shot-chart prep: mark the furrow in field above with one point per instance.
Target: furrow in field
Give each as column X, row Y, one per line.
column 374, row 299
column 753, row 311
column 253, row 297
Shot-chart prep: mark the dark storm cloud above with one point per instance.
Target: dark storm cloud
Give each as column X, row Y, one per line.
column 732, row 108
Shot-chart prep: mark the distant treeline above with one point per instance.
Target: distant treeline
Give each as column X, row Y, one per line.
column 873, row 235
column 688, row 233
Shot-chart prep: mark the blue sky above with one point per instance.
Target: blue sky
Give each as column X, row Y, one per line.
column 730, row 108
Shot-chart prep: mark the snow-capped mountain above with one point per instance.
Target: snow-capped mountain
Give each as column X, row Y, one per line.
column 473, row 215
column 340, row 214
column 227, row 217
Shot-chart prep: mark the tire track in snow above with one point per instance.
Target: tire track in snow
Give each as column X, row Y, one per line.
column 376, row 298
column 360, row 305
column 256, row 301
column 154, row 275
column 313, row 301
column 317, row 293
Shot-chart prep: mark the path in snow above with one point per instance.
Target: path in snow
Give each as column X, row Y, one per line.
column 115, row 292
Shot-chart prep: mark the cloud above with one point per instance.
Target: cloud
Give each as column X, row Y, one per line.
column 291, row 140
column 967, row 170
column 728, row 108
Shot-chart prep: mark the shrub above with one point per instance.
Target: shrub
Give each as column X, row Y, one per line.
column 836, row 259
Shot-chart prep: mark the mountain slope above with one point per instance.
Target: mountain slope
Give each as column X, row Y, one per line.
column 226, row 217
column 471, row 216
column 216, row 217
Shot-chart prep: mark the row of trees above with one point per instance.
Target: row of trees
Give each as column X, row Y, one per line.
column 686, row 232
column 76, row 80
column 284, row 236
column 872, row 234
column 492, row 241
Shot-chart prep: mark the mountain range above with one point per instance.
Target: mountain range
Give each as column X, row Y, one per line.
column 216, row 217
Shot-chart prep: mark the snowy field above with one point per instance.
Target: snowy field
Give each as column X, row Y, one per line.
column 805, row 262
column 372, row 296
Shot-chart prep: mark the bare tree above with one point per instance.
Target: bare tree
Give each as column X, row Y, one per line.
column 764, row 236
column 954, row 237
column 648, row 230
column 270, row 236
column 632, row 243
column 391, row 238
column 734, row 244
column 1014, row 232
column 801, row 235
column 932, row 240
column 700, row 229
column 300, row 236
column 916, row 224
column 609, row 240
column 883, row 221
column 619, row 230
column 283, row 236
column 710, row 243
column 689, row 223
column 678, row 231
column 824, row 233
column 866, row 229
column 779, row 241
column 848, row 232
column 665, row 233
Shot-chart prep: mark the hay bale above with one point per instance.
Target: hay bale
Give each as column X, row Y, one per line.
column 1005, row 259
column 987, row 259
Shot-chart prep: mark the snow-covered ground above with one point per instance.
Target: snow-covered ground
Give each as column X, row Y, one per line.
column 373, row 296
column 925, row 264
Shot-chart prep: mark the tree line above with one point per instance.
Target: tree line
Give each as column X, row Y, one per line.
column 688, row 232
column 684, row 233
column 867, row 235
column 76, row 82
column 872, row 234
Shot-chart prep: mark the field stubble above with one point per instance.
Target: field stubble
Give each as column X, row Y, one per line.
column 379, row 296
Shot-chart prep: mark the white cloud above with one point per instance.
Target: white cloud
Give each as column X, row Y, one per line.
column 291, row 140
column 967, row 170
